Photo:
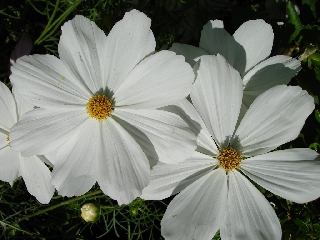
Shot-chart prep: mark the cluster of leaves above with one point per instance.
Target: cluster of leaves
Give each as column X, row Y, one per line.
column 181, row 21
column 22, row 216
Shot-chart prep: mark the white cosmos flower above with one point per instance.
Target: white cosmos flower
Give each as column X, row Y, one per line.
column 98, row 105
column 215, row 192
column 247, row 51
column 34, row 172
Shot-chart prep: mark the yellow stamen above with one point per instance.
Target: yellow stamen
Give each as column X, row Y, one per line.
column 99, row 107
column 8, row 139
column 229, row 159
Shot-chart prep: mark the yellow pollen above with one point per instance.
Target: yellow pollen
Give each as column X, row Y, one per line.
column 229, row 159
column 8, row 139
column 99, row 107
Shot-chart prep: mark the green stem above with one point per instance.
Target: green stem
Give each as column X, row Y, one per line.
column 52, row 27
column 48, row 26
column 4, row 225
column 54, row 12
column 57, row 205
column 7, row 15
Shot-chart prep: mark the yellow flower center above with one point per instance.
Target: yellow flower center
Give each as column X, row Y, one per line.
column 8, row 139
column 229, row 159
column 99, row 107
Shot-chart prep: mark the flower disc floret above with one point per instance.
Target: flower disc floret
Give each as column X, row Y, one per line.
column 229, row 158
column 8, row 139
column 99, row 107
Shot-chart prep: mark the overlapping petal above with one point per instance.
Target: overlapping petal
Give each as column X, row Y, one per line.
column 293, row 174
column 216, row 40
column 22, row 105
column 256, row 38
column 42, row 130
column 274, row 118
column 197, row 212
column 75, row 168
column 37, row 177
column 45, row 81
column 274, row 71
column 123, row 168
column 129, row 41
column 189, row 114
column 217, row 96
column 169, row 179
column 9, row 162
column 190, row 52
column 249, row 215
column 171, row 137
column 3, row 139
column 8, row 115
column 159, row 80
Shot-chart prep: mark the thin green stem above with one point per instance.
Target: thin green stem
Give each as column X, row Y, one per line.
column 57, row 205
column 51, row 28
column 4, row 225
column 56, row 7
column 7, row 15
column 48, row 26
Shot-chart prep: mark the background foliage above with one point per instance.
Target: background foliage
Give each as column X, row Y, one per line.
column 181, row 21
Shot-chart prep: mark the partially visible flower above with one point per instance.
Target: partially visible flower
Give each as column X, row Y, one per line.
column 98, row 106
column 213, row 186
column 90, row 212
column 247, row 51
column 34, row 172
column 23, row 47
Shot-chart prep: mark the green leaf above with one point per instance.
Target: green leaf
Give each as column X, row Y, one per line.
column 315, row 59
column 301, row 224
column 314, row 146
column 312, row 5
column 317, row 73
column 293, row 19
column 317, row 114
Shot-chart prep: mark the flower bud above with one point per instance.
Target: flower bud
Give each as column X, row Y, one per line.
column 89, row 212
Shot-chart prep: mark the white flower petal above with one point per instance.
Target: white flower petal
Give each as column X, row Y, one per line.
column 190, row 115
column 50, row 158
column 37, row 177
column 75, row 168
column 142, row 140
column 8, row 115
column 269, row 73
column 171, row 137
column 217, row 96
column 168, row 179
column 197, row 212
column 45, row 81
column 129, row 41
column 123, row 168
column 160, row 79
column 41, row 131
column 293, row 174
column 215, row 39
column 22, row 105
column 274, row 118
column 9, row 162
column 3, row 139
column 81, row 47
column 256, row 37
column 191, row 53
column 249, row 215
